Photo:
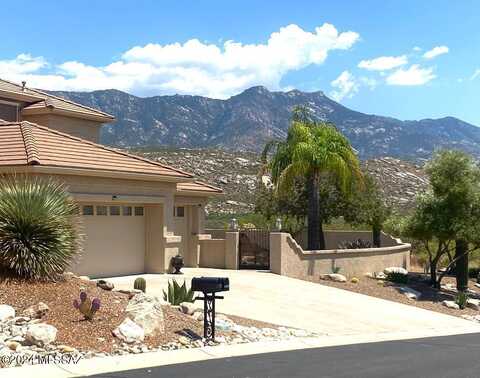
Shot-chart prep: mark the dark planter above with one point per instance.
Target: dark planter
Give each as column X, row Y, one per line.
column 177, row 263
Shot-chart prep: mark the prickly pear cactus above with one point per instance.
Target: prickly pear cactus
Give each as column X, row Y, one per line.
column 86, row 306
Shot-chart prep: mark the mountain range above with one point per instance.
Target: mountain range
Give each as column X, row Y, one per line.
column 245, row 122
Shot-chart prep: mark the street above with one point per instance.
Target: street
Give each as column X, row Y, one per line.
column 449, row 356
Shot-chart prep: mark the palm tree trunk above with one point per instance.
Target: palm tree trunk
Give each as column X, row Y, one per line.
column 316, row 239
column 461, row 266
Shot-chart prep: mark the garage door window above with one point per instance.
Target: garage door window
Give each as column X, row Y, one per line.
column 114, row 210
column 87, row 210
column 102, row 210
column 127, row 211
column 138, row 211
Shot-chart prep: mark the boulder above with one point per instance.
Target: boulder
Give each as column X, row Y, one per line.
column 410, row 293
column 473, row 304
column 84, row 278
column 198, row 316
column 188, row 308
column 336, row 277
column 146, row 311
column 395, row 269
column 451, row 304
column 6, row 312
column 105, row 285
column 41, row 334
column 129, row 332
column 36, row 311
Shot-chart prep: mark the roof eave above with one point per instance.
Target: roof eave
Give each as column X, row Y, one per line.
column 199, row 193
column 70, row 113
column 55, row 170
column 24, row 97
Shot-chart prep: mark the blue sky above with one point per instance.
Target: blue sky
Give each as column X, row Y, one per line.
column 405, row 59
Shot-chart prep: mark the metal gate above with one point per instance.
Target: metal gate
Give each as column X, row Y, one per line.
column 254, row 249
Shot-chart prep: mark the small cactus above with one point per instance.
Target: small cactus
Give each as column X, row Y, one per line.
column 86, row 306
column 140, row 284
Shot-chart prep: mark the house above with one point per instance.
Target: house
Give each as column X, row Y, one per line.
column 136, row 213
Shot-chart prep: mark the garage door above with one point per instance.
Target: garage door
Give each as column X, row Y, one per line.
column 114, row 240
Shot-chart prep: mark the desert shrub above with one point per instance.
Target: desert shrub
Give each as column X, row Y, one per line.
column 397, row 277
column 356, row 244
column 39, row 234
column 461, row 300
column 336, row 269
column 177, row 294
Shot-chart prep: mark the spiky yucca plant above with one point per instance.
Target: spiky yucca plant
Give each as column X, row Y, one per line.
column 177, row 294
column 39, row 234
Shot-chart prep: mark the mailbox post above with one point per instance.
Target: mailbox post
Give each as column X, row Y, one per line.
column 209, row 286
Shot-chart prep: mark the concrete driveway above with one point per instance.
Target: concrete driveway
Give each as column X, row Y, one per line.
column 329, row 311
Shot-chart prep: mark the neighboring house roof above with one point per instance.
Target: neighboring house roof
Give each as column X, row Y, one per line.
column 40, row 103
column 199, row 187
column 29, row 144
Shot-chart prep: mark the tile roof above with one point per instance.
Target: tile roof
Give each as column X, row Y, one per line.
column 198, row 186
column 26, row 143
column 46, row 101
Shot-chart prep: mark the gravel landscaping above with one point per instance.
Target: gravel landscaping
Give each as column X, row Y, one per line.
column 429, row 298
column 46, row 310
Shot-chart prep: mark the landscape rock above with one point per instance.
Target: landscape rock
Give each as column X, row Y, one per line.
column 198, row 316
column 146, row 311
column 473, row 304
column 105, row 285
column 451, row 304
column 129, row 332
column 84, row 278
column 410, row 293
column 188, row 308
column 37, row 311
column 380, row 276
column 41, row 334
column 336, row 277
column 6, row 312
column 395, row 269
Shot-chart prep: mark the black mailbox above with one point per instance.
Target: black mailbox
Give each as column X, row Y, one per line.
column 210, row 284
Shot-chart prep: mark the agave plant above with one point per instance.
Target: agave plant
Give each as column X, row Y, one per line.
column 177, row 294
column 39, row 233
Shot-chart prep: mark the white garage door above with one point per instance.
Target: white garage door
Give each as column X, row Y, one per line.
column 114, row 240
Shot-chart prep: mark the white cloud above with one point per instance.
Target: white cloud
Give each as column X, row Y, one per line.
column 383, row 63
column 415, row 75
column 22, row 64
column 436, row 51
column 193, row 67
column 345, row 86
column 417, row 49
column 475, row 74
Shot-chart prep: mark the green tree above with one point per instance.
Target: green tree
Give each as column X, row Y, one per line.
column 313, row 151
column 447, row 217
column 365, row 205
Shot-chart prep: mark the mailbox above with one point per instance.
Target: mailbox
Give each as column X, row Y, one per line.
column 210, row 284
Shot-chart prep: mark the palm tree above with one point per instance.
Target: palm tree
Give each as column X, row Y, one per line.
column 312, row 150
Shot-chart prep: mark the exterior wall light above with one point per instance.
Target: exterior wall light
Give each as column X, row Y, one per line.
column 233, row 224
column 278, row 224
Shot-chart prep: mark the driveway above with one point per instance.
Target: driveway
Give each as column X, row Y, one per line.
column 329, row 311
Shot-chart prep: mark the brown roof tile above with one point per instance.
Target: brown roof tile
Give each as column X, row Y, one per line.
column 27, row 143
